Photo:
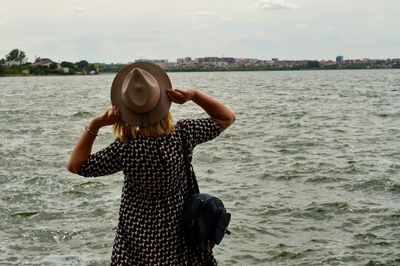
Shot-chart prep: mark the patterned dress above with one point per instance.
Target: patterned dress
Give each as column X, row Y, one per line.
column 150, row 227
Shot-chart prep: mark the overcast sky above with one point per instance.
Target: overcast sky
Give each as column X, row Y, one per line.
column 121, row 31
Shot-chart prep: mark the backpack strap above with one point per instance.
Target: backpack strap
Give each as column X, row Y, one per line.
column 193, row 187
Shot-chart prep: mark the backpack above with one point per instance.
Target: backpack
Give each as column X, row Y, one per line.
column 206, row 221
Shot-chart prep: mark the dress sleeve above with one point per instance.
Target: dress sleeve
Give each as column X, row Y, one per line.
column 198, row 131
column 104, row 162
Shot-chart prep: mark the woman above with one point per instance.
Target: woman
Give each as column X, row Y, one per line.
column 148, row 151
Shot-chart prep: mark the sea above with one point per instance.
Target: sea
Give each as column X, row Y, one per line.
column 310, row 171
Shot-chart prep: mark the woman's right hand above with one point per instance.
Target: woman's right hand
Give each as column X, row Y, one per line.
column 222, row 114
column 181, row 96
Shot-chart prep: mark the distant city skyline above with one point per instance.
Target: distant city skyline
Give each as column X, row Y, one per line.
column 337, row 58
column 125, row 30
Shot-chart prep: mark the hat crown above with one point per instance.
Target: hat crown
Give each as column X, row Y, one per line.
column 140, row 91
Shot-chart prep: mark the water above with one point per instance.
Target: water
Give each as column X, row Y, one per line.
column 310, row 170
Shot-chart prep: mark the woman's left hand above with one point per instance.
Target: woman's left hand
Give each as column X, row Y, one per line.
column 83, row 147
column 181, row 96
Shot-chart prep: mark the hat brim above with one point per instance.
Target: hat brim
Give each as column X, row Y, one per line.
column 161, row 109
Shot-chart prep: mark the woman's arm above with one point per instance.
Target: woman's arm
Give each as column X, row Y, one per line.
column 83, row 148
column 222, row 114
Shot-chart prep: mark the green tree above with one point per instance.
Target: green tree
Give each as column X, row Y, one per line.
column 16, row 55
column 82, row 64
column 53, row 66
column 68, row 64
column 71, row 67
column 92, row 67
column 2, row 70
column 312, row 64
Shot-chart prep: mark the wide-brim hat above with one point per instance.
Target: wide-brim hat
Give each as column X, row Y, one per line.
column 139, row 90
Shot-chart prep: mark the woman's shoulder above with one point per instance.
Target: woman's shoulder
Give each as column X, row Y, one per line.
column 198, row 130
column 190, row 121
column 198, row 122
column 198, row 125
column 182, row 122
column 185, row 124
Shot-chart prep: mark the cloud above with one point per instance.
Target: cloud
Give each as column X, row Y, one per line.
column 376, row 28
column 198, row 15
column 226, row 18
column 78, row 9
column 199, row 20
column 302, row 26
column 329, row 28
column 276, row 4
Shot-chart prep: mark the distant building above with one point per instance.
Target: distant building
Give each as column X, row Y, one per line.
column 276, row 61
column 42, row 62
column 202, row 60
column 210, row 59
column 327, row 63
column 154, row 61
column 186, row 60
column 339, row 59
column 227, row 60
column 268, row 63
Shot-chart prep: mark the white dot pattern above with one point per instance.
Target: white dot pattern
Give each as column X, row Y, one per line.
column 150, row 227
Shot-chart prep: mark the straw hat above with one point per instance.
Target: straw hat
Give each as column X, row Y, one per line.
column 139, row 90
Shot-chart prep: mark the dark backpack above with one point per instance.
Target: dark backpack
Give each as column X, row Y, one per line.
column 206, row 221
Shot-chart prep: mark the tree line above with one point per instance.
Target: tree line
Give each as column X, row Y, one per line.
column 16, row 63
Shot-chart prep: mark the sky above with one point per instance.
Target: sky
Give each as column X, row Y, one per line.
column 121, row 31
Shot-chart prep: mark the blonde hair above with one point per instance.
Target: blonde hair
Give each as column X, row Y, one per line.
column 122, row 131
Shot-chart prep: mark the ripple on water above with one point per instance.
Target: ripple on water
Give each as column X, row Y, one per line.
column 383, row 184
column 323, row 211
column 83, row 114
column 89, row 185
column 27, row 214
column 325, row 179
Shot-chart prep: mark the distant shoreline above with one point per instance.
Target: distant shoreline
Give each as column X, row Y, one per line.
column 199, row 70
column 16, row 64
column 45, row 66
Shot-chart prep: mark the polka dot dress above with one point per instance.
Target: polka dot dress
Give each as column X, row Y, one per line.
column 150, row 226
